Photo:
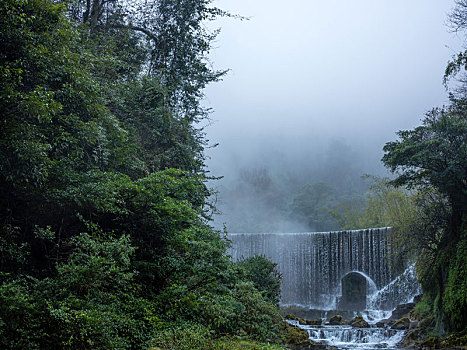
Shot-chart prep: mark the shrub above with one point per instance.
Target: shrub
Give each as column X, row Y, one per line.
column 264, row 275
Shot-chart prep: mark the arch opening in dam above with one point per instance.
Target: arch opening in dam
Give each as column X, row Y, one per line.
column 313, row 265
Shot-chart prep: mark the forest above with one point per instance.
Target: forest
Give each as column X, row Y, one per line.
column 105, row 198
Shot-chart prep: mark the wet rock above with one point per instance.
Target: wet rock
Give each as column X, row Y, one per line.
column 359, row 322
column 417, row 298
column 401, row 324
column 295, row 335
column 336, row 320
column 297, row 339
column 455, row 340
column 427, row 323
column 311, row 346
column 291, row 317
column 430, row 343
column 384, row 323
column 401, row 311
column 304, row 321
column 410, row 338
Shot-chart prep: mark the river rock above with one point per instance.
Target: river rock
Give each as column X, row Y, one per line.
column 297, row 339
column 430, row 343
column 401, row 311
column 359, row 322
column 411, row 338
column 304, row 321
column 336, row 320
column 384, row 323
column 291, row 317
column 427, row 323
column 311, row 345
column 295, row 335
column 401, row 324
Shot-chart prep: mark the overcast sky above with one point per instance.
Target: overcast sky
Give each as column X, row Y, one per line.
column 303, row 72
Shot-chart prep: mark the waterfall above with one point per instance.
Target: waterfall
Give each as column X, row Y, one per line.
column 399, row 291
column 312, row 264
column 351, row 338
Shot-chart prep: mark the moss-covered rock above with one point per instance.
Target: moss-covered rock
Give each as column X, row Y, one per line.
column 291, row 317
column 430, row 343
column 401, row 324
column 411, row 338
column 294, row 335
column 304, row 321
column 427, row 324
column 359, row 322
column 420, row 311
column 455, row 340
column 311, row 346
column 336, row 320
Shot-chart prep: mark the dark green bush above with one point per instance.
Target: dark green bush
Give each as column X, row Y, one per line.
column 264, row 275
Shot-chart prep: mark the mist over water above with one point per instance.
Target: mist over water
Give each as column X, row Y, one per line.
column 261, row 187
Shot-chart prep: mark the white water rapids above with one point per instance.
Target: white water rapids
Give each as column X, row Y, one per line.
column 347, row 337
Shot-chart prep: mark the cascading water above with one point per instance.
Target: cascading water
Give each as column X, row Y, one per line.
column 313, row 266
column 350, row 338
column 400, row 290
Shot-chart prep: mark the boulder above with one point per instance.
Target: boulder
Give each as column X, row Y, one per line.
column 401, row 311
column 295, row 335
column 417, row 298
column 311, row 346
column 291, row 317
column 336, row 320
column 430, row 343
column 401, row 324
column 304, row 321
column 384, row 323
column 359, row 322
column 411, row 338
column 427, row 323
column 297, row 339
column 455, row 340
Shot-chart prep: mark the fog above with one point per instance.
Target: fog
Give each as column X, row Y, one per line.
column 315, row 90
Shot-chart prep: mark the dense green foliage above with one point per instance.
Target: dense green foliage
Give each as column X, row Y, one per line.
column 264, row 275
column 433, row 158
column 384, row 206
column 103, row 198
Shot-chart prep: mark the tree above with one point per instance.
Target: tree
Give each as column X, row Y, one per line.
column 384, row 205
column 101, row 245
column 435, row 154
column 313, row 205
column 433, row 159
column 264, row 275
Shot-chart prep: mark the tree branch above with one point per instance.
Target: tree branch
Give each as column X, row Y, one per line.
column 136, row 28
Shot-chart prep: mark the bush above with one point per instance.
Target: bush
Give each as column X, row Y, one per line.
column 260, row 319
column 264, row 275
column 455, row 294
column 21, row 320
column 184, row 336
